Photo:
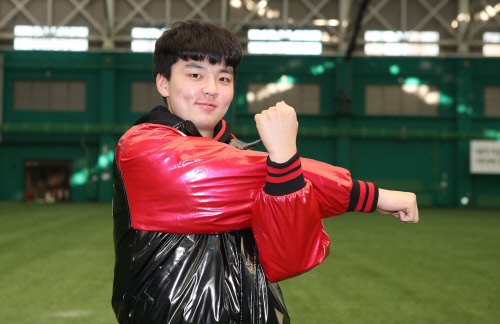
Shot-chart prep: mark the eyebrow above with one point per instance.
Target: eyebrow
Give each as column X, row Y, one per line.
column 196, row 65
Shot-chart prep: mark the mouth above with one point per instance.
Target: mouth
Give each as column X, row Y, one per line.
column 207, row 105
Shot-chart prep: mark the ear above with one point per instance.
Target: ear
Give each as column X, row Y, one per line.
column 161, row 85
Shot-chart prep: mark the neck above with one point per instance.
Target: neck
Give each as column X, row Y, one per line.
column 207, row 133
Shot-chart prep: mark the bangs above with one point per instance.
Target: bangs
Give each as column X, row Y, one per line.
column 214, row 49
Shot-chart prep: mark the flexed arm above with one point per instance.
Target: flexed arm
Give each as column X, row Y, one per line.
column 288, row 229
column 286, row 217
column 188, row 185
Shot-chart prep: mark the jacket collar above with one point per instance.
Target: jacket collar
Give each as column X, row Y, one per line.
column 161, row 115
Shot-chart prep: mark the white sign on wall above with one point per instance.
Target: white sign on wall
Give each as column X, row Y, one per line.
column 485, row 157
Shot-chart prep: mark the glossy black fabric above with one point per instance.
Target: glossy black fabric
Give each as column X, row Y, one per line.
column 176, row 278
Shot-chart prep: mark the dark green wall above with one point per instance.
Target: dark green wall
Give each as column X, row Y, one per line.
column 427, row 155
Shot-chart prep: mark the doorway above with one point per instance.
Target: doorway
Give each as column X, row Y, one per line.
column 47, row 180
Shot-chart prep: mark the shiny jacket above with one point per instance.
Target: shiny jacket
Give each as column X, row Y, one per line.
column 203, row 229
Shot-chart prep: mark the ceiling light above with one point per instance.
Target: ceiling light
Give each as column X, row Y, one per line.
column 235, row 3
column 490, row 10
column 326, row 22
column 483, row 16
column 463, row 17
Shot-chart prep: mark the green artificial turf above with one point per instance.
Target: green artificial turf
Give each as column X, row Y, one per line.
column 56, row 263
column 56, row 266
column 445, row 269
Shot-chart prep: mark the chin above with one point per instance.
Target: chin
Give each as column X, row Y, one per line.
column 204, row 125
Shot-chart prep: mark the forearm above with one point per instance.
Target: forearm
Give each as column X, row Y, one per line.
column 337, row 192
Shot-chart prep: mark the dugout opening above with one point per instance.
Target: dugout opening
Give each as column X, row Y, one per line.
column 47, row 180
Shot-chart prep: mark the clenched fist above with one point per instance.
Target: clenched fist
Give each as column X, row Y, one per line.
column 277, row 128
column 401, row 204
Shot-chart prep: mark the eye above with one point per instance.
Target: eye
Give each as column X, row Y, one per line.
column 224, row 79
column 195, row 75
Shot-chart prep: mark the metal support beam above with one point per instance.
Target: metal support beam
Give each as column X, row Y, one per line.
column 140, row 9
column 80, row 8
column 224, row 13
column 315, row 12
column 110, row 23
column 463, row 10
column 50, row 9
column 21, row 6
column 404, row 15
column 73, row 13
column 197, row 10
column 434, row 13
column 374, row 12
column 252, row 13
column 344, row 14
column 119, row 16
column 357, row 24
column 137, row 7
column 168, row 11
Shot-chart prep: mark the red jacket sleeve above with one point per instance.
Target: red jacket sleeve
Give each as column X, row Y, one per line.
column 289, row 233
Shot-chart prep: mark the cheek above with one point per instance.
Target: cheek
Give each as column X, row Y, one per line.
column 228, row 96
column 188, row 93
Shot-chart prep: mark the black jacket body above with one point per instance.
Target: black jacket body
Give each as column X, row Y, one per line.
column 195, row 278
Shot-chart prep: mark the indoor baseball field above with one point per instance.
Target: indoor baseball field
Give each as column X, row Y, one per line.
column 404, row 94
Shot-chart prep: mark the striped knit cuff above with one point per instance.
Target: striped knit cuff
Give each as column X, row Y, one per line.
column 364, row 197
column 284, row 178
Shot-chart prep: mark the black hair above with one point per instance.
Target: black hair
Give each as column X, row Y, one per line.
column 198, row 41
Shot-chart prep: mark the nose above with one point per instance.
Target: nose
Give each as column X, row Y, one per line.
column 211, row 88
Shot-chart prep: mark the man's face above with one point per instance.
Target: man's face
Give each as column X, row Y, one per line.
column 198, row 91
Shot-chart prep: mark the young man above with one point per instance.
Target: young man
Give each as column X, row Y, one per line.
column 204, row 228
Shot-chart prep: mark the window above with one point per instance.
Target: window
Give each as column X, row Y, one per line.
column 51, row 38
column 284, row 42
column 491, row 45
column 305, row 98
column 144, row 96
column 409, row 99
column 398, row 43
column 491, row 100
column 50, row 95
column 144, row 39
